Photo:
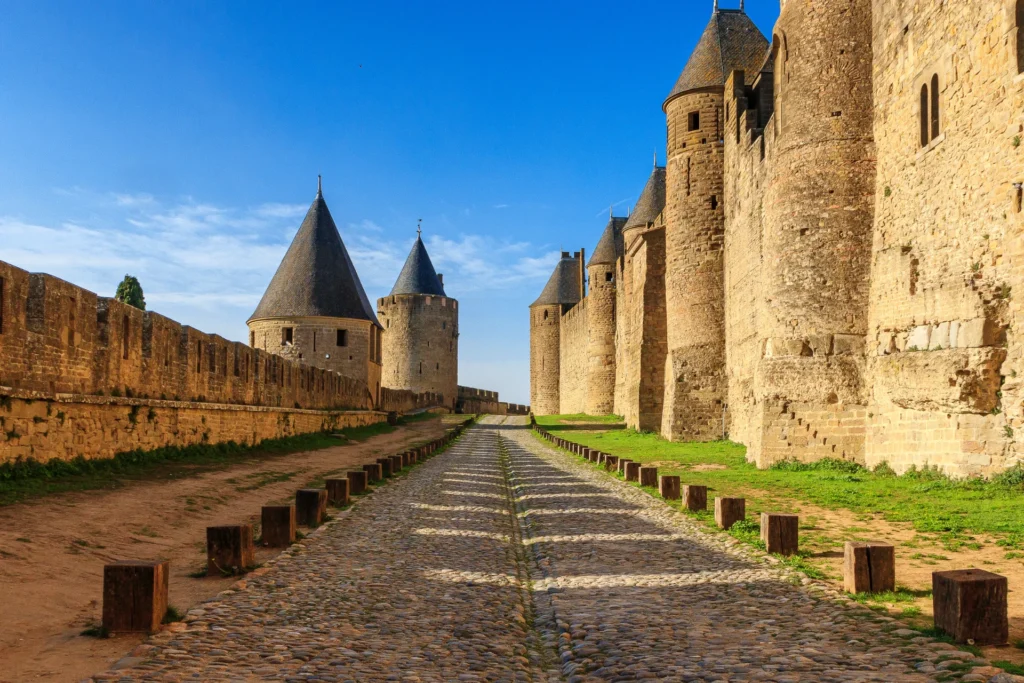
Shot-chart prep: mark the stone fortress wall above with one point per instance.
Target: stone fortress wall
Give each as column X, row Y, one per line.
column 86, row 375
column 483, row 402
column 842, row 247
column 421, row 343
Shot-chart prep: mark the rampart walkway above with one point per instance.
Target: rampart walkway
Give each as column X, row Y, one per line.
column 502, row 560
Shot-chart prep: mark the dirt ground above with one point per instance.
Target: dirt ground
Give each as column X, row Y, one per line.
column 52, row 550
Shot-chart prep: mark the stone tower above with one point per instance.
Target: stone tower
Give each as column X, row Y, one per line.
column 601, row 319
column 315, row 309
column 563, row 291
column 695, row 385
column 642, row 314
column 818, row 216
column 421, row 337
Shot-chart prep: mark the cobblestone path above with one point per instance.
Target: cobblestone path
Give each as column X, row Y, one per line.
column 503, row 560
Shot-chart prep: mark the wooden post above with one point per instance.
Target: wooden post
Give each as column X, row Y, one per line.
column 229, row 549
column 278, row 525
column 970, row 605
column 611, row 463
column 869, row 567
column 311, row 507
column 695, row 498
column 134, row 596
column 337, row 491
column 356, row 482
column 622, row 465
column 374, row 472
column 386, row 469
column 668, row 487
column 728, row 511
column 648, row 476
column 632, row 471
column 396, row 464
column 780, row 533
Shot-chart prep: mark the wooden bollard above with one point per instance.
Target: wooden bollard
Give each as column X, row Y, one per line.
column 695, row 498
column 869, row 567
column 622, row 465
column 310, row 507
column 229, row 549
column 134, row 596
column 668, row 487
column 611, row 462
column 277, row 528
column 338, row 491
column 357, row 482
column 632, row 471
column 396, row 464
column 374, row 472
column 385, row 464
column 970, row 605
column 648, row 476
column 780, row 533
column 728, row 511
column 601, row 455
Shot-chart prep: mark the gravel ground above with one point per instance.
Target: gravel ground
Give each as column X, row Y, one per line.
column 505, row 560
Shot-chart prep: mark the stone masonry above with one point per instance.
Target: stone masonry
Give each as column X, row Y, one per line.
column 838, row 271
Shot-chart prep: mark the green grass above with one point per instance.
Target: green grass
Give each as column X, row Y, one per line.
column 581, row 417
column 931, row 502
column 31, row 478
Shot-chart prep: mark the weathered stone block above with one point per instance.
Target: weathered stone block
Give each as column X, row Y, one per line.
column 780, row 533
column 277, row 528
column 919, row 338
column 869, row 567
column 970, row 605
column 977, row 332
column 134, row 596
column 668, row 487
column 357, row 482
column 229, row 549
column 728, row 511
column 337, row 491
column 311, row 506
column 695, row 498
column 648, row 476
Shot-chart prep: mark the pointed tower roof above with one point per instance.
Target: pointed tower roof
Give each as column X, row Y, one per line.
column 651, row 202
column 609, row 247
column 564, row 285
column 316, row 276
column 730, row 41
column 418, row 275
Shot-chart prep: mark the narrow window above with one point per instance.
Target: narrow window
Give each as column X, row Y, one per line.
column 444, row 325
column 935, row 106
column 1020, row 36
column 608, row 276
column 199, row 356
column 71, row 323
column 688, row 184
column 545, row 315
column 238, row 368
column 1, row 305
column 1019, row 197
column 924, row 115
column 314, row 341
column 693, row 121
column 287, row 336
column 421, row 367
column 342, row 338
column 437, row 366
column 714, row 202
column 379, row 347
column 124, row 337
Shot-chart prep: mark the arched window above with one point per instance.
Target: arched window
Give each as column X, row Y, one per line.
column 924, row 115
column 1020, row 36
column 935, row 106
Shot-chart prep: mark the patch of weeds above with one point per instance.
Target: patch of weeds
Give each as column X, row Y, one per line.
column 96, row 631
column 1019, row 644
column 22, row 539
column 907, row 612
column 146, row 531
column 943, row 637
column 1013, row 555
column 171, row 615
column 1010, row 667
column 197, row 574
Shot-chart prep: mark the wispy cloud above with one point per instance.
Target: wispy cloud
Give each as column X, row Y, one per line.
column 604, row 212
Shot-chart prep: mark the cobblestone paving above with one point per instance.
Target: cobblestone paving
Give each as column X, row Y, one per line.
column 505, row 560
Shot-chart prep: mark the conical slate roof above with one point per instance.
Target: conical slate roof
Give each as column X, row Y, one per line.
column 609, row 247
column 564, row 285
column 316, row 276
column 418, row 275
column 730, row 41
column 651, row 202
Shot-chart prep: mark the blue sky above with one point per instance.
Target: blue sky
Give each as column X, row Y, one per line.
column 180, row 142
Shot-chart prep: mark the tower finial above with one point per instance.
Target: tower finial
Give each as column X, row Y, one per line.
column 611, row 211
column 419, row 227
column 715, row 8
column 319, row 184
column 741, row 5
column 655, row 158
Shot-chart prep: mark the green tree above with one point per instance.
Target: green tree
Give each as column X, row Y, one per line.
column 130, row 292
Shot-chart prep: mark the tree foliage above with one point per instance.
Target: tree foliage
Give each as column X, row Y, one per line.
column 130, row 292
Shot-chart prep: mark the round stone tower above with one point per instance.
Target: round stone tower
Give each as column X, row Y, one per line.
column 421, row 330
column 315, row 309
column 601, row 320
column 695, row 384
column 563, row 291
